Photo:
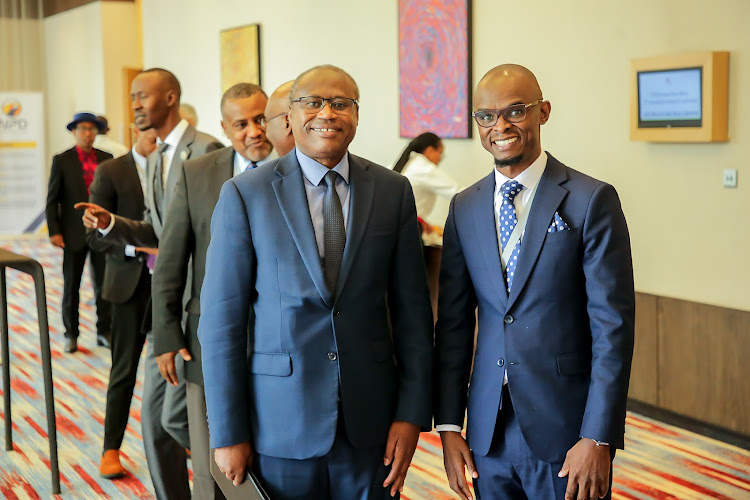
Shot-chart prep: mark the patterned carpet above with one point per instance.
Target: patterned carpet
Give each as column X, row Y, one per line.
column 661, row 461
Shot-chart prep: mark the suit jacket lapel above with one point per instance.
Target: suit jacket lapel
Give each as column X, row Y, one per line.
column 548, row 197
column 486, row 234
column 292, row 199
column 361, row 192
column 181, row 153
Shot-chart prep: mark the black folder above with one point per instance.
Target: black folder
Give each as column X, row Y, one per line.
column 250, row 489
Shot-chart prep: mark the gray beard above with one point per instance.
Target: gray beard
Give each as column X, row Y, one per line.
column 509, row 162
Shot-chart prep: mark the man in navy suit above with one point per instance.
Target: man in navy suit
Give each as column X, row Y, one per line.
column 543, row 252
column 315, row 266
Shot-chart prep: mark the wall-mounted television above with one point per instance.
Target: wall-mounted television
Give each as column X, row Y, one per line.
column 680, row 98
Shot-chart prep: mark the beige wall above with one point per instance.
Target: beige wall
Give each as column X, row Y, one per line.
column 74, row 69
column 690, row 236
column 86, row 48
column 120, row 49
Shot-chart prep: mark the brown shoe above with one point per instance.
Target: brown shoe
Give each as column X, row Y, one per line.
column 111, row 467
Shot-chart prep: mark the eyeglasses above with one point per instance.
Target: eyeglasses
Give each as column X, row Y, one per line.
column 93, row 130
column 513, row 114
column 264, row 120
column 339, row 105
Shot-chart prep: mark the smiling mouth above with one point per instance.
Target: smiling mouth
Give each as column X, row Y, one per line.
column 505, row 142
column 324, row 129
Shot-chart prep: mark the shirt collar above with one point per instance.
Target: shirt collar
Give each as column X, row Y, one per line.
column 314, row 171
column 140, row 160
column 529, row 178
column 240, row 162
column 175, row 136
column 82, row 153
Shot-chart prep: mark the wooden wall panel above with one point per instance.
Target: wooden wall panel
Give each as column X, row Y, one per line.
column 644, row 375
column 52, row 7
column 704, row 355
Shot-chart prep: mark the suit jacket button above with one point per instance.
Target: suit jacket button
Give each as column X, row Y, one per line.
column 508, row 319
column 332, row 356
column 336, row 312
column 500, row 362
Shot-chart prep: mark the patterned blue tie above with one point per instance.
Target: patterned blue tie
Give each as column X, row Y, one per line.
column 507, row 222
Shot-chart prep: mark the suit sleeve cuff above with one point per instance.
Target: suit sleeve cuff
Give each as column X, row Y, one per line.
column 106, row 230
column 447, row 428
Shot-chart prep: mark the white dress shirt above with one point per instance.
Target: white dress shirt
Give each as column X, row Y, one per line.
column 140, row 163
column 172, row 140
column 428, row 182
column 241, row 163
column 529, row 178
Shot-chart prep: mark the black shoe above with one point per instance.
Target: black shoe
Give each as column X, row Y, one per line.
column 71, row 345
column 103, row 341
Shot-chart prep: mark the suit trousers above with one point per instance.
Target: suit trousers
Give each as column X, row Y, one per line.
column 204, row 486
column 344, row 473
column 127, row 344
column 164, row 406
column 511, row 470
column 73, row 264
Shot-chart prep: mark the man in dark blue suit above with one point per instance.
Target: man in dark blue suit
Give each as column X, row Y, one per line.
column 315, row 265
column 543, row 252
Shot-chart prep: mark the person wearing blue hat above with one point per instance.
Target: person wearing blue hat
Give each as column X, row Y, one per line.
column 70, row 177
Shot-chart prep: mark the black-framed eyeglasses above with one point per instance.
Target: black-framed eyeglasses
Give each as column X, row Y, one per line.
column 264, row 121
column 339, row 105
column 513, row 114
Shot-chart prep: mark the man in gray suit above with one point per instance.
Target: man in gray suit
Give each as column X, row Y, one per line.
column 155, row 98
column 315, row 265
column 186, row 238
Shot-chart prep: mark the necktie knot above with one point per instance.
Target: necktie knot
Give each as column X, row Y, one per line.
column 163, row 147
column 510, row 189
column 331, row 177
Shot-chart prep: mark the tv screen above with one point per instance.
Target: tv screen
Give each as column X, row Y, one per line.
column 670, row 98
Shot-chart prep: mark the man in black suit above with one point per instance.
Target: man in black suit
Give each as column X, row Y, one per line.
column 127, row 285
column 70, row 177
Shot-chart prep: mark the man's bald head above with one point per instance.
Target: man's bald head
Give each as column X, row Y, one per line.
column 278, row 129
column 510, row 72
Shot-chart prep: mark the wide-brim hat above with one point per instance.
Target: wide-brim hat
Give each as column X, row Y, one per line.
column 86, row 117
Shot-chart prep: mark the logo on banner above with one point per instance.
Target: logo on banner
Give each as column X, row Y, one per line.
column 9, row 121
column 12, row 108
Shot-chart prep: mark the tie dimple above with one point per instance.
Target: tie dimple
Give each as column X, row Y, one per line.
column 507, row 223
column 334, row 233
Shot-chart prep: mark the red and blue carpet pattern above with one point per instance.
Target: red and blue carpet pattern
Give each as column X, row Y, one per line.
column 660, row 461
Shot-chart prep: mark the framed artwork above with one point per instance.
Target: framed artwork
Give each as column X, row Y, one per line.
column 240, row 55
column 435, row 67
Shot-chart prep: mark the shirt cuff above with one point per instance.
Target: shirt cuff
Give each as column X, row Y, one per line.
column 129, row 250
column 106, row 230
column 447, row 428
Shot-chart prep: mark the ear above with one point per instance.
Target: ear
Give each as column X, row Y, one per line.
column 172, row 98
column 544, row 111
column 224, row 127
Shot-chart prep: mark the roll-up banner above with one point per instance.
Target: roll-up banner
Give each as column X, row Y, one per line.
column 22, row 166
